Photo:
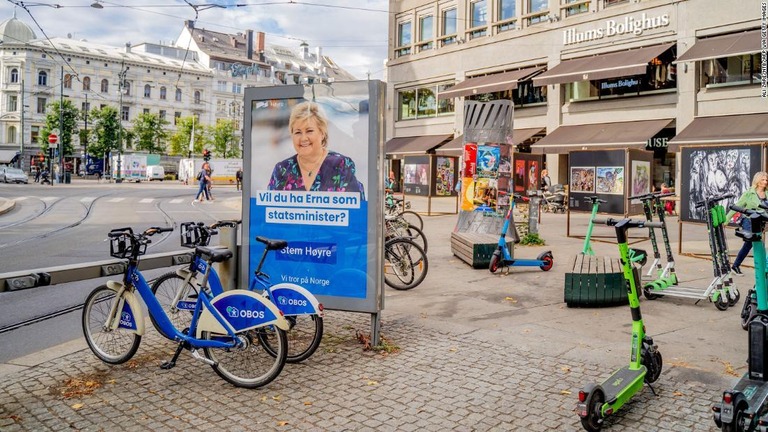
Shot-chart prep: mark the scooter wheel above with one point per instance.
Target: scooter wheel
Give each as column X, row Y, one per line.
column 593, row 422
column 495, row 258
column 735, row 299
column 654, row 366
column 748, row 313
column 721, row 303
column 648, row 294
column 549, row 261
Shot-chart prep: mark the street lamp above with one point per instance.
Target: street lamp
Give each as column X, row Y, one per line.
column 120, row 85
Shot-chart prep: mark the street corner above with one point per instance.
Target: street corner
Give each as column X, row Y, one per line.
column 6, row 205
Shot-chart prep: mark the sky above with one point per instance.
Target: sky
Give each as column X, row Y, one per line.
column 353, row 33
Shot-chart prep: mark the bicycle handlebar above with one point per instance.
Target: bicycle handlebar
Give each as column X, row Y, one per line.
column 227, row 223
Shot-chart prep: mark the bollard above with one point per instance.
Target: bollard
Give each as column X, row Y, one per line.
column 228, row 269
column 533, row 214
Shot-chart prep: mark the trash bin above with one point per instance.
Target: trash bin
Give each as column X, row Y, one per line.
column 67, row 177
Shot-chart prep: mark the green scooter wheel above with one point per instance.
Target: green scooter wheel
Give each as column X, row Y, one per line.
column 593, row 422
column 721, row 303
column 647, row 291
column 732, row 300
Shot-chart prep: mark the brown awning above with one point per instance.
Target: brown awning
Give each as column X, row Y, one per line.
column 623, row 63
column 455, row 147
column 723, row 46
column 489, row 83
column 414, row 145
column 740, row 128
column 632, row 134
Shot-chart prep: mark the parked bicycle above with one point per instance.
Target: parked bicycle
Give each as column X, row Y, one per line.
column 397, row 226
column 405, row 263
column 398, row 207
column 227, row 327
column 301, row 309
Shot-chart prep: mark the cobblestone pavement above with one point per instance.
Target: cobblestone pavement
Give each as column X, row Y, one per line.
column 477, row 352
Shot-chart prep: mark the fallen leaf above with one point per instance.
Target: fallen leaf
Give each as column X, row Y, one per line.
column 263, row 398
column 510, row 299
column 565, row 368
column 307, row 403
column 77, row 406
column 277, row 398
column 729, row 369
column 371, row 383
column 677, row 393
column 565, row 392
column 526, row 330
column 282, row 423
column 453, row 349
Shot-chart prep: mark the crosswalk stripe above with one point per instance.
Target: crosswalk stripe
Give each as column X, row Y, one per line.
column 114, row 200
column 87, row 199
column 49, row 198
column 146, row 200
column 20, row 199
column 176, row 201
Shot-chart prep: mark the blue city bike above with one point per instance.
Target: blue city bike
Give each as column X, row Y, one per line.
column 177, row 290
column 226, row 327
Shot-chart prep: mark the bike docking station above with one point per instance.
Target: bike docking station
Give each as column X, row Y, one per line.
column 720, row 290
column 596, row 281
column 743, row 407
column 598, row 401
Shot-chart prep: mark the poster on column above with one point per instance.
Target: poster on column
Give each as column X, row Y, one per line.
column 312, row 172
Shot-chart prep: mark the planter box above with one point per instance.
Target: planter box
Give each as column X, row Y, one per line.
column 594, row 282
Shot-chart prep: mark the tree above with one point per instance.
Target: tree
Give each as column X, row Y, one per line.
column 70, row 115
column 180, row 139
column 223, row 139
column 104, row 135
column 150, row 132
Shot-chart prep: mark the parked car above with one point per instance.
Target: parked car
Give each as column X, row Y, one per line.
column 155, row 172
column 13, row 175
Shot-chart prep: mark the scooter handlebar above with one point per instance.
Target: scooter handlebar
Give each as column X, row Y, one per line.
column 632, row 223
column 641, row 197
column 714, row 199
column 665, row 194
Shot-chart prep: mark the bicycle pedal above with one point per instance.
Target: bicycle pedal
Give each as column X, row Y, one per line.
column 203, row 359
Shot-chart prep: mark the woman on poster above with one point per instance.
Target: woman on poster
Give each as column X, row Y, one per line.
column 313, row 167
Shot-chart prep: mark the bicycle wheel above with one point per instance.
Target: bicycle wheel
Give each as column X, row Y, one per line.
column 110, row 346
column 303, row 337
column 418, row 237
column 413, row 218
column 166, row 289
column 405, row 264
column 248, row 365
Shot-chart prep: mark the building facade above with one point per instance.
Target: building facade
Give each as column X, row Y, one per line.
column 583, row 74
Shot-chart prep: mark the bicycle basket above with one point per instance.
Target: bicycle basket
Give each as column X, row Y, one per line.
column 122, row 247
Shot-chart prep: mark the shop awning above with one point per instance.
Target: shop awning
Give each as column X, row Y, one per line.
column 740, row 128
column 7, row 155
column 489, row 83
column 414, row 145
column 618, row 64
column 723, row 46
column 632, row 134
column 455, row 147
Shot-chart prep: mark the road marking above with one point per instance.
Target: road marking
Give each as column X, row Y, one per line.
column 87, row 199
column 177, row 200
column 146, row 200
column 49, row 198
column 20, row 199
column 114, row 200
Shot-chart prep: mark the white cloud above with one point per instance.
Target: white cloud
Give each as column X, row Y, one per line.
column 355, row 39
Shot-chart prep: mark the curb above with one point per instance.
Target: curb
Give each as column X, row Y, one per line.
column 6, row 205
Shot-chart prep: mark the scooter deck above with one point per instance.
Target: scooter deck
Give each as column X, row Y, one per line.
column 680, row 291
column 755, row 391
column 622, row 385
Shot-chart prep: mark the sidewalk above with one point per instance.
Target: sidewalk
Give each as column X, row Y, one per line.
column 477, row 351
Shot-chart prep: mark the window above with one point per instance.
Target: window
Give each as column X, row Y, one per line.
column 507, row 15
column 41, row 102
column 176, row 117
column 538, row 10
column 237, row 88
column 614, row 2
column 448, row 27
column 147, row 90
column 146, row 110
column 127, row 88
column 478, row 12
column 524, row 95
column 125, row 113
column 178, row 95
column 85, row 107
column 403, row 39
column 162, row 114
column 422, row 102
column 11, row 135
column 67, row 81
column 163, row 93
column 104, row 86
column 581, row 7
column 726, row 71
column 197, row 96
column 42, row 78
column 13, row 102
column 14, row 75
column 86, row 84
column 221, row 86
column 426, row 32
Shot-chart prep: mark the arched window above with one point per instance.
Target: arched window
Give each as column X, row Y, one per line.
column 42, row 78
column 162, row 93
column 68, row 81
column 14, row 75
column 197, row 96
column 104, row 86
column 127, row 88
column 11, row 135
column 86, row 83
column 147, row 90
column 178, row 95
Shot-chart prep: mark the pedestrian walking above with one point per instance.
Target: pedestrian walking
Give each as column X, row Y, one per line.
column 37, row 174
column 209, row 184
column 202, row 181
column 239, row 178
column 751, row 199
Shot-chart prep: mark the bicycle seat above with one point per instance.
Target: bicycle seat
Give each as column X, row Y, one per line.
column 272, row 244
column 214, row 254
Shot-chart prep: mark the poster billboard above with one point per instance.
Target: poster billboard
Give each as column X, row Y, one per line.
column 314, row 158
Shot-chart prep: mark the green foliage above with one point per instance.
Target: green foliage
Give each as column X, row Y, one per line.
column 532, row 239
column 66, row 122
column 222, row 137
column 150, row 133
column 103, row 131
column 179, row 141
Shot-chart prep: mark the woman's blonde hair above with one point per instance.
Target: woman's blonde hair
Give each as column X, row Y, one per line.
column 758, row 176
column 310, row 110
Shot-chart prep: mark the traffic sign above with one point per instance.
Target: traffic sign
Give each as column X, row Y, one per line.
column 53, row 139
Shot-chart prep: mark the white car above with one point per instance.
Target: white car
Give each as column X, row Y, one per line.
column 13, row 175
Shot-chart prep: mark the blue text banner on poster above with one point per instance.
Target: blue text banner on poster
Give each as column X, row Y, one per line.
column 339, row 200
column 323, row 253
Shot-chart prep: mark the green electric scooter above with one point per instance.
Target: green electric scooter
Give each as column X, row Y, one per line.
column 744, row 407
column 598, row 401
column 637, row 256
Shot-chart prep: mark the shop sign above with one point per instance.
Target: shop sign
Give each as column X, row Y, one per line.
column 656, row 143
column 606, row 85
column 628, row 25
